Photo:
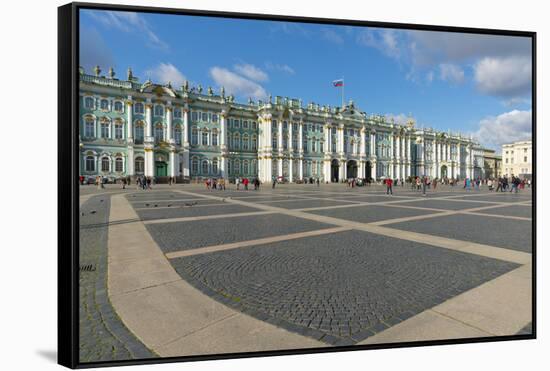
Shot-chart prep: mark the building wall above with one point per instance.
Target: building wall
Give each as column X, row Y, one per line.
column 129, row 129
column 517, row 159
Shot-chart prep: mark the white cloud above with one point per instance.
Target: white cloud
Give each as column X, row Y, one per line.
column 129, row 22
column 165, row 73
column 250, row 71
column 400, row 118
column 451, row 73
column 385, row 40
column 504, row 77
column 280, row 67
column 236, row 84
column 94, row 51
column 430, row 47
column 332, row 36
column 505, row 128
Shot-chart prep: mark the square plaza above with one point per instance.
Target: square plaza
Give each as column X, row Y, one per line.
column 183, row 270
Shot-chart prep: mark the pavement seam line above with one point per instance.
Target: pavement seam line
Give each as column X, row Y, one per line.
column 248, row 243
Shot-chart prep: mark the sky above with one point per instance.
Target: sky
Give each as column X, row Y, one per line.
column 478, row 85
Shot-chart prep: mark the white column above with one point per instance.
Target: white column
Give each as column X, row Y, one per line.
column 185, row 161
column 172, row 162
column 280, row 166
column 301, row 168
column 290, row 170
column 130, row 121
column 458, row 160
column 280, row 136
column 363, row 149
column 130, row 161
column 448, row 151
column 223, row 131
column 185, row 128
column 340, row 144
column 327, row 138
column 148, row 120
column 373, row 170
column 300, row 137
column 289, row 140
column 168, row 135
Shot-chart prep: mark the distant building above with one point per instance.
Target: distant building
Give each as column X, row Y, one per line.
column 128, row 128
column 493, row 164
column 517, row 159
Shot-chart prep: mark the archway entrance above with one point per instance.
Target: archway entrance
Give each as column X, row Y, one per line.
column 368, row 170
column 334, row 167
column 351, row 170
column 444, row 171
column 161, row 168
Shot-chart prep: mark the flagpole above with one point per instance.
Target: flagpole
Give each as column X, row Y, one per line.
column 343, row 87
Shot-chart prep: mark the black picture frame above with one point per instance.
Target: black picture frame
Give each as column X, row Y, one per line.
column 68, row 186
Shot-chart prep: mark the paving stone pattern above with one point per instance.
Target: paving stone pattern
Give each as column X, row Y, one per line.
column 189, row 235
column 300, row 285
column 103, row 336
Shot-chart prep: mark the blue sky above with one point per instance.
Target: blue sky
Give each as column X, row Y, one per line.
column 475, row 84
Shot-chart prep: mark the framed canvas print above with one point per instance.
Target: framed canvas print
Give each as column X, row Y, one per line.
column 237, row 185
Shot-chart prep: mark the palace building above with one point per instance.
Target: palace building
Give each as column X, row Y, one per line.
column 128, row 128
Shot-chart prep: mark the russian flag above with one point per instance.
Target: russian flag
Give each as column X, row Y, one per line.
column 337, row 83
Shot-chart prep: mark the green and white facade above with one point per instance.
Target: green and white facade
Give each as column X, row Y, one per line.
column 129, row 128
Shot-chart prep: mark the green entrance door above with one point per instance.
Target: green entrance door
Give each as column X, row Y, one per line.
column 161, row 168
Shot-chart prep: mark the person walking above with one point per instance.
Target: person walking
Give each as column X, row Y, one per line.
column 274, row 181
column 245, row 182
column 237, row 182
column 424, row 184
column 389, row 183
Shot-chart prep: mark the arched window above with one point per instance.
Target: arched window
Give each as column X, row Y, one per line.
column 118, row 106
column 214, row 117
column 204, row 167
column 105, row 164
column 254, row 142
column 274, row 141
column 204, row 140
column 159, row 133
column 245, row 167
column 237, row 167
column 118, row 129
column 89, row 127
column 254, row 167
column 139, row 132
column 177, row 134
column 90, row 163
column 215, row 166
column 138, row 108
column 194, row 116
column 245, row 124
column 118, row 164
column 236, row 141
column 245, row 142
column 215, row 137
column 105, row 128
column 313, row 146
column 89, row 103
column 194, row 166
column 285, row 142
column 204, row 117
column 104, row 104
column 230, row 167
column 194, row 136
column 177, row 113
column 139, row 165
column 322, row 147
column 159, row 110
column 254, row 125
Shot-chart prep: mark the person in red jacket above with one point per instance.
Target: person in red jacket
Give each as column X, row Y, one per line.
column 389, row 183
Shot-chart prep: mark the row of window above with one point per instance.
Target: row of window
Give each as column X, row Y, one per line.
column 234, row 167
column 105, row 164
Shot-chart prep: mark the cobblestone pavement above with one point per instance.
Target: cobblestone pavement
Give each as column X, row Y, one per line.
column 103, row 336
column 339, row 288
